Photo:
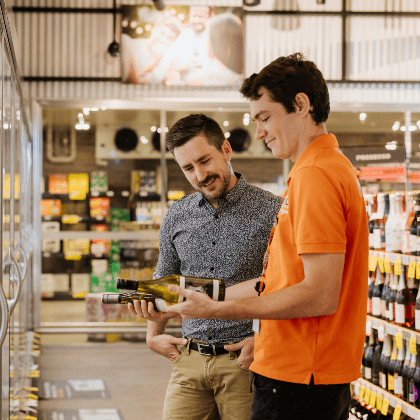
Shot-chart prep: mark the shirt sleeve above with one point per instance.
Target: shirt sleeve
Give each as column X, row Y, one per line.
column 317, row 211
column 168, row 262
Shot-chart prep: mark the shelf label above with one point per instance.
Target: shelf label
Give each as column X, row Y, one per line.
column 73, row 256
column 385, row 406
column 373, row 260
column 412, row 344
column 381, row 265
column 397, row 412
column 362, row 392
column 367, row 395
column 411, row 270
column 373, row 399
column 379, row 401
column 418, row 270
column 70, row 218
column 387, row 265
column 397, row 267
column 399, row 340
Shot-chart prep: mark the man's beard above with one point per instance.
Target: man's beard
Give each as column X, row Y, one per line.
column 223, row 187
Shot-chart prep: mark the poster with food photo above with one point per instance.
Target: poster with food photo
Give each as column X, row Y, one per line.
column 182, row 45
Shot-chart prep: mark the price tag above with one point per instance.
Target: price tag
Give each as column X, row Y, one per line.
column 367, row 395
column 399, row 340
column 412, row 344
column 385, row 406
column 411, row 270
column 397, row 267
column 381, row 332
column 70, row 218
column 387, row 265
column 373, row 260
column 372, row 399
column 362, row 392
column 418, row 270
column 397, row 412
column 381, row 265
column 73, row 256
column 379, row 401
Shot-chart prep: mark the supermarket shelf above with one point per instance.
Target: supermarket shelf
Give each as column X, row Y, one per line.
column 99, row 327
column 141, row 235
column 393, row 400
column 392, row 329
column 405, row 258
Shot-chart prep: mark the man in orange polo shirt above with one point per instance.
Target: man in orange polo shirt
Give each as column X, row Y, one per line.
column 312, row 307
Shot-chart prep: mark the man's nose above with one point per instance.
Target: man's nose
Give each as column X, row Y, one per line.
column 260, row 133
column 201, row 174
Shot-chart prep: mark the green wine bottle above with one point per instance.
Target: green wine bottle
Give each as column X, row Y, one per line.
column 214, row 288
column 158, row 304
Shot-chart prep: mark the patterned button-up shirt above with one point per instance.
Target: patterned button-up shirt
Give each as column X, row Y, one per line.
column 228, row 243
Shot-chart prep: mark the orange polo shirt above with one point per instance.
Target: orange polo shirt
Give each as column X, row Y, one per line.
column 323, row 212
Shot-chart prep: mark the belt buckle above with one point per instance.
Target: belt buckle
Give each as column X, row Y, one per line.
column 201, row 351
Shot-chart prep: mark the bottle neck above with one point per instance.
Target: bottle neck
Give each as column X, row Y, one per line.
column 402, row 283
column 381, row 207
column 388, row 346
column 379, row 277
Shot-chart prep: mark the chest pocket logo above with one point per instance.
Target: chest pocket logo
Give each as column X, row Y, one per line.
column 284, row 209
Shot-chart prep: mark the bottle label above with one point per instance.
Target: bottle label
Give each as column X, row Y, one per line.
column 415, row 393
column 215, row 290
column 381, row 379
column 182, row 284
column 369, row 306
column 406, row 242
column 398, row 384
column 368, row 373
column 370, row 240
column 160, row 305
column 376, row 306
column 377, row 240
column 391, row 311
column 383, row 309
column 390, row 382
column 399, row 313
column 417, row 319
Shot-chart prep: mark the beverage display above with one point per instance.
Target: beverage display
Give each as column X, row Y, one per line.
column 214, row 288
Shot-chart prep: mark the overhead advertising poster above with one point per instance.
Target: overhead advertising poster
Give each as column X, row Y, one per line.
column 182, row 45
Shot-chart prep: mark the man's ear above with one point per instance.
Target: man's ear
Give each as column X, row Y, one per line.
column 227, row 149
column 303, row 104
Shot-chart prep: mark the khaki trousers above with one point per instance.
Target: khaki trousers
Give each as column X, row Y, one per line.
column 207, row 388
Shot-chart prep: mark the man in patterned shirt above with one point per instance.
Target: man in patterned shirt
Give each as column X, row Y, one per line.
column 221, row 231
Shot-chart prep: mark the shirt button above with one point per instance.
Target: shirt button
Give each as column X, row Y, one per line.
column 211, row 268
column 216, row 216
column 274, row 390
column 214, row 242
column 210, row 337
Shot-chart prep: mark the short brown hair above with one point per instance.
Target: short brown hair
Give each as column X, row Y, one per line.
column 284, row 78
column 192, row 126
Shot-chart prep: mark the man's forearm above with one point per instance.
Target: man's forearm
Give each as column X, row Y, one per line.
column 244, row 290
column 156, row 328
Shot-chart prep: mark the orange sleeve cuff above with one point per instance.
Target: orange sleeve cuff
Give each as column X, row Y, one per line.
column 321, row 248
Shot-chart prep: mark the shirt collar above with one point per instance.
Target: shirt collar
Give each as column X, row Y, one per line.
column 322, row 142
column 234, row 194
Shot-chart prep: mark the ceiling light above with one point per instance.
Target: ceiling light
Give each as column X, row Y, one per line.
column 246, row 121
column 227, row 134
column 86, row 111
column 95, row 108
column 103, row 108
column 391, row 145
column 225, row 123
column 144, row 140
column 362, row 116
column 152, row 128
column 412, row 128
column 403, row 128
column 159, row 130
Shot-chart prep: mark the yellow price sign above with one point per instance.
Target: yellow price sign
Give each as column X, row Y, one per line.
column 367, row 395
column 411, row 270
column 418, row 270
column 362, row 392
column 399, row 340
column 372, row 262
column 397, row 412
column 385, row 406
column 397, row 267
column 379, row 401
column 372, row 399
column 387, row 265
column 381, row 265
column 70, row 218
column 412, row 344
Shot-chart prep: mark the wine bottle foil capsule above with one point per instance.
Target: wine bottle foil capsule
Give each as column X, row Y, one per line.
column 110, row 298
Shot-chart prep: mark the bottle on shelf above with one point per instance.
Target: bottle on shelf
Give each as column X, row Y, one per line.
column 414, row 240
column 391, row 366
column 384, row 362
column 214, row 288
column 409, row 211
column 403, row 303
column 385, row 297
column 389, row 224
column 371, row 281
column 410, row 378
column 372, row 208
column 366, row 345
column 376, row 360
column 377, row 293
column 398, row 379
column 158, row 304
column 416, row 379
column 369, row 354
column 379, row 220
column 417, row 313
column 398, row 224
column 404, row 373
column 392, row 297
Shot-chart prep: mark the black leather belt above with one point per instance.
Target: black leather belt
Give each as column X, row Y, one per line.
column 208, row 349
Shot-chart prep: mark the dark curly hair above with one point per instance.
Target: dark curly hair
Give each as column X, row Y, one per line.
column 185, row 129
column 284, row 78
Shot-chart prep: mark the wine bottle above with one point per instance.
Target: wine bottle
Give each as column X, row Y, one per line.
column 158, row 304
column 214, row 288
column 391, row 366
column 414, row 225
column 377, row 217
column 398, row 224
column 398, row 380
column 383, row 222
column 377, row 293
column 371, row 210
column 411, row 372
column 392, row 297
column 413, row 286
column 417, row 313
column 385, row 297
column 404, row 373
column 384, row 362
column 403, row 303
column 388, row 224
column 366, row 345
column 370, row 293
column 409, row 212
column 376, row 360
column 416, row 379
column 369, row 355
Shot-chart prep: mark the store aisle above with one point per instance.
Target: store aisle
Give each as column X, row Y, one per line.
column 136, row 377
